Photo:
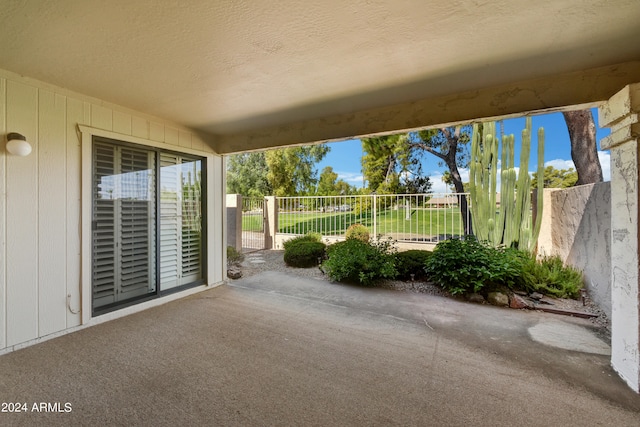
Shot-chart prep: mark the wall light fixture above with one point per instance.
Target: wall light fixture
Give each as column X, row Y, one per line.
column 17, row 144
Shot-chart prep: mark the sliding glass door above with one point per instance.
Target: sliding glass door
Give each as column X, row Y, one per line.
column 147, row 222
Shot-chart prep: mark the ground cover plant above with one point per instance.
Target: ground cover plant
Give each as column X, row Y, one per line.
column 304, row 254
column 549, row 276
column 463, row 266
column 234, row 257
column 304, row 251
column 357, row 231
column 309, row 237
column 410, row 264
column 360, row 262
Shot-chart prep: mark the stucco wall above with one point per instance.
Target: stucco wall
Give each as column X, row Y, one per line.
column 577, row 226
column 40, row 201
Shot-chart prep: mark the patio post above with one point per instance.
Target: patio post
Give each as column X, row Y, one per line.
column 620, row 114
column 234, row 221
column 270, row 221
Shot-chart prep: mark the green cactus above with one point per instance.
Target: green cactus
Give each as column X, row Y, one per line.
column 510, row 225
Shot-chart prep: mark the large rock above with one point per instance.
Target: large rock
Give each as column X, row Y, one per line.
column 516, row 301
column 477, row 298
column 498, row 298
column 234, row 273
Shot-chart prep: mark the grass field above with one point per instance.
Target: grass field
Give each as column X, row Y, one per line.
column 420, row 221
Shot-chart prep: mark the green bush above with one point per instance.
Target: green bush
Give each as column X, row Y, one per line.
column 357, row 231
column 234, row 256
column 466, row 266
column 304, row 254
column 309, row 237
column 549, row 276
column 411, row 262
column 356, row 261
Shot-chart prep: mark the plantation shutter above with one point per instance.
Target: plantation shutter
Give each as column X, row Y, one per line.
column 104, row 226
column 137, row 231
column 123, row 223
column 191, row 222
column 180, row 221
column 170, row 219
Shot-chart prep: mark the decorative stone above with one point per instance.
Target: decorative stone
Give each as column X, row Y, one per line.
column 498, row 298
column 536, row 295
column 516, row 301
column 477, row 298
column 234, row 273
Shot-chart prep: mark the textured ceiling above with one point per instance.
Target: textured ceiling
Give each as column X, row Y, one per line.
column 228, row 67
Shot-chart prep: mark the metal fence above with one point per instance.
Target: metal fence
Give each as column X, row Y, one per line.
column 413, row 218
column 253, row 223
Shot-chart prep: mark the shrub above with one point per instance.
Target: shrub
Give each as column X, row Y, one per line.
column 465, row 266
column 356, row 261
column 304, row 254
column 549, row 276
column 234, row 256
column 411, row 262
column 309, row 237
column 357, row 231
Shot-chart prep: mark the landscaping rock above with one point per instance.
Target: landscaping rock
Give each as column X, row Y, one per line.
column 498, row 298
column 234, row 273
column 536, row 295
column 516, row 301
column 477, row 298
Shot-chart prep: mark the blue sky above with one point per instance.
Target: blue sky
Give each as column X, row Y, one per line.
column 345, row 156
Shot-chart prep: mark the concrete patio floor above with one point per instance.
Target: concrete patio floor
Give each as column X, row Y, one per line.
column 275, row 349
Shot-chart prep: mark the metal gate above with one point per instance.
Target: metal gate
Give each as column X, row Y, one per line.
column 253, row 220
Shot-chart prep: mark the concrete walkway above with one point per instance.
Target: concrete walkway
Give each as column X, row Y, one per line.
column 274, row 349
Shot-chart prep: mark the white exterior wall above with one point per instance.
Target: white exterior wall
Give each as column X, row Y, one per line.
column 621, row 114
column 576, row 226
column 41, row 213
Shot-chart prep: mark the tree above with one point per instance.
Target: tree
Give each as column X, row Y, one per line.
column 556, row 178
column 330, row 185
column 291, row 170
column 450, row 145
column 247, row 174
column 584, row 152
column 327, row 182
column 391, row 167
column 415, row 185
column 382, row 162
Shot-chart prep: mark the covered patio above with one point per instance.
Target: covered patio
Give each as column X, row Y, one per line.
column 276, row 349
column 98, row 87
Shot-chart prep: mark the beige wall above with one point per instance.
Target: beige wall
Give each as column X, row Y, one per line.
column 577, row 226
column 40, row 201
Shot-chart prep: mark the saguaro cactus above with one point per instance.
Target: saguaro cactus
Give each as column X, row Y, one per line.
column 510, row 224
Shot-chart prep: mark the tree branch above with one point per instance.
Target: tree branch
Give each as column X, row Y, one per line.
column 428, row 150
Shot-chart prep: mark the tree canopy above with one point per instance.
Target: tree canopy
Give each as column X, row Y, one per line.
column 281, row 172
column 247, row 175
column 330, row 185
column 556, row 178
column 291, row 172
column 390, row 166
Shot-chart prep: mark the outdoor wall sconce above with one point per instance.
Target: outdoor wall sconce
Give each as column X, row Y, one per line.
column 17, row 145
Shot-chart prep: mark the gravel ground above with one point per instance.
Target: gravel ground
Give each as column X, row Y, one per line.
column 272, row 260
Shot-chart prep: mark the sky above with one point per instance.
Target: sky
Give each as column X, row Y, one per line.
column 344, row 157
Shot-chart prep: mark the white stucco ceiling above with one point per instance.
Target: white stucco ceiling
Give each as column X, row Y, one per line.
column 234, row 67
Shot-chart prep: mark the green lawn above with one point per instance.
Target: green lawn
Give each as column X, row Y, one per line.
column 420, row 221
column 252, row 222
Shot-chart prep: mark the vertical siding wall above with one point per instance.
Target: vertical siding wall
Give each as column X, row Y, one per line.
column 40, row 205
